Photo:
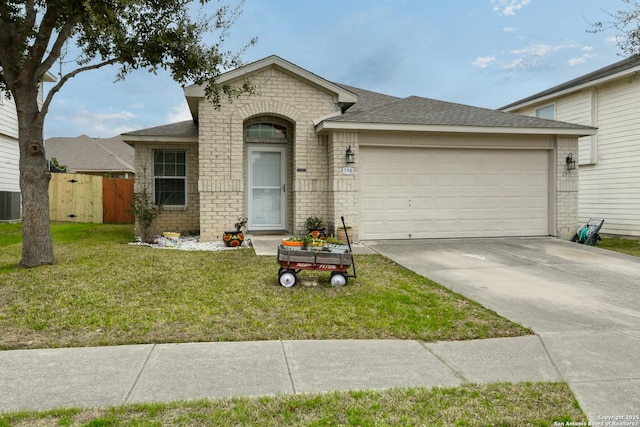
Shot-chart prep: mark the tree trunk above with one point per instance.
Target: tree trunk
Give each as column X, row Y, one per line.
column 37, row 247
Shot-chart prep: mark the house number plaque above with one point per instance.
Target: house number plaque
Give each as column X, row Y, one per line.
column 347, row 171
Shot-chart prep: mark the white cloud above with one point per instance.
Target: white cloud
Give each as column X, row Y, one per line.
column 540, row 49
column 580, row 59
column 521, row 63
column 484, row 61
column 508, row 7
column 88, row 116
column 179, row 113
column 508, row 30
column 587, row 48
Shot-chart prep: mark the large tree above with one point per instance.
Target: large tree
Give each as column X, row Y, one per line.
column 130, row 34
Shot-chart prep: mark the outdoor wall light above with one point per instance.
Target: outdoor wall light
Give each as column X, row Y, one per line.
column 571, row 164
column 351, row 157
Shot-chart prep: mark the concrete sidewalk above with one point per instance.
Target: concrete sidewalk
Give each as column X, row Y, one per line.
column 106, row 376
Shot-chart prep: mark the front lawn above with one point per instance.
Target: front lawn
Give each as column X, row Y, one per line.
column 624, row 246
column 102, row 291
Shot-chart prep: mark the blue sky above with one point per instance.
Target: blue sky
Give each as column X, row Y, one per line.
column 486, row 53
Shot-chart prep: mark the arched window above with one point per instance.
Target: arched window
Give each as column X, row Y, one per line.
column 266, row 131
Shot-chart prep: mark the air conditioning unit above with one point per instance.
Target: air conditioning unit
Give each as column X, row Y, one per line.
column 9, row 205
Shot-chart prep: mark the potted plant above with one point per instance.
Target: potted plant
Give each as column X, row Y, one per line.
column 293, row 243
column 315, row 226
column 336, row 245
column 313, row 243
column 235, row 237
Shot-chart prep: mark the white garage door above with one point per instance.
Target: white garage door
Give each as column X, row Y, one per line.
column 440, row 193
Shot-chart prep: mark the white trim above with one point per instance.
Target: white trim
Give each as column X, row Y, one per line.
column 326, row 125
column 283, row 179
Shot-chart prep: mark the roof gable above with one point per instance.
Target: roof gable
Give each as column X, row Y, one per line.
column 343, row 96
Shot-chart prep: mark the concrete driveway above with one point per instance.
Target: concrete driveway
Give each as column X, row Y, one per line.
column 583, row 302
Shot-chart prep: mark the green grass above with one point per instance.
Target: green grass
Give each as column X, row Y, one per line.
column 523, row 404
column 102, row 291
column 624, row 246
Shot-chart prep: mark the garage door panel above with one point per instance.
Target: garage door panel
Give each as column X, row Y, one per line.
column 453, row 193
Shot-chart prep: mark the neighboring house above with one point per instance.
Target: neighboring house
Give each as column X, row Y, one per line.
column 9, row 160
column 93, row 156
column 421, row 168
column 609, row 161
column 10, row 157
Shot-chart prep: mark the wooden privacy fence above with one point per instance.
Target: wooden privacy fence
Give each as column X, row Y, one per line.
column 76, row 197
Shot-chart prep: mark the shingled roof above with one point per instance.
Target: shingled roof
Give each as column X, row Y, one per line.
column 415, row 110
column 91, row 155
column 186, row 129
column 626, row 66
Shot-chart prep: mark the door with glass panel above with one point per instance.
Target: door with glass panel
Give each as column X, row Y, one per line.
column 267, row 188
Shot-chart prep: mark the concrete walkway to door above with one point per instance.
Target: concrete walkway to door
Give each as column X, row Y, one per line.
column 583, row 302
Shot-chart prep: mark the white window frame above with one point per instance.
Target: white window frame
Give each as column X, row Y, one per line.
column 174, row 177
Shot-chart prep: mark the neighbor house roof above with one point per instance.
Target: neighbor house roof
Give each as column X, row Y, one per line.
column 619, row 69
column 86, row 154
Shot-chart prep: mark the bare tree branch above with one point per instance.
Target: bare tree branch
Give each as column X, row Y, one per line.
column 54, row 54
column 66, row 77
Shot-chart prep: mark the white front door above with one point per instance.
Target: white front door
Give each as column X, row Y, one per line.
column 267, row 178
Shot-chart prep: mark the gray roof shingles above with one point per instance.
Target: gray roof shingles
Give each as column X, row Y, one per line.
column 415, row 110
column 186, row 128
column 88, row 154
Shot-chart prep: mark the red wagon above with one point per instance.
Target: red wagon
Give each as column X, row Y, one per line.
column 292, row 261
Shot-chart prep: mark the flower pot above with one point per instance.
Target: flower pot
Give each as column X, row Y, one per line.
column 340, row 234
column 170, row 238
column 318, row 233
column 292, row 245
column 232, row 238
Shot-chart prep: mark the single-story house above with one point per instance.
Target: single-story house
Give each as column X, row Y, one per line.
column 92, row 156
column 609, row 161
column 395, row 168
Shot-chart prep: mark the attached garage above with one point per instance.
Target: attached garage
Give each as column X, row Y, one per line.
column 413, row 192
